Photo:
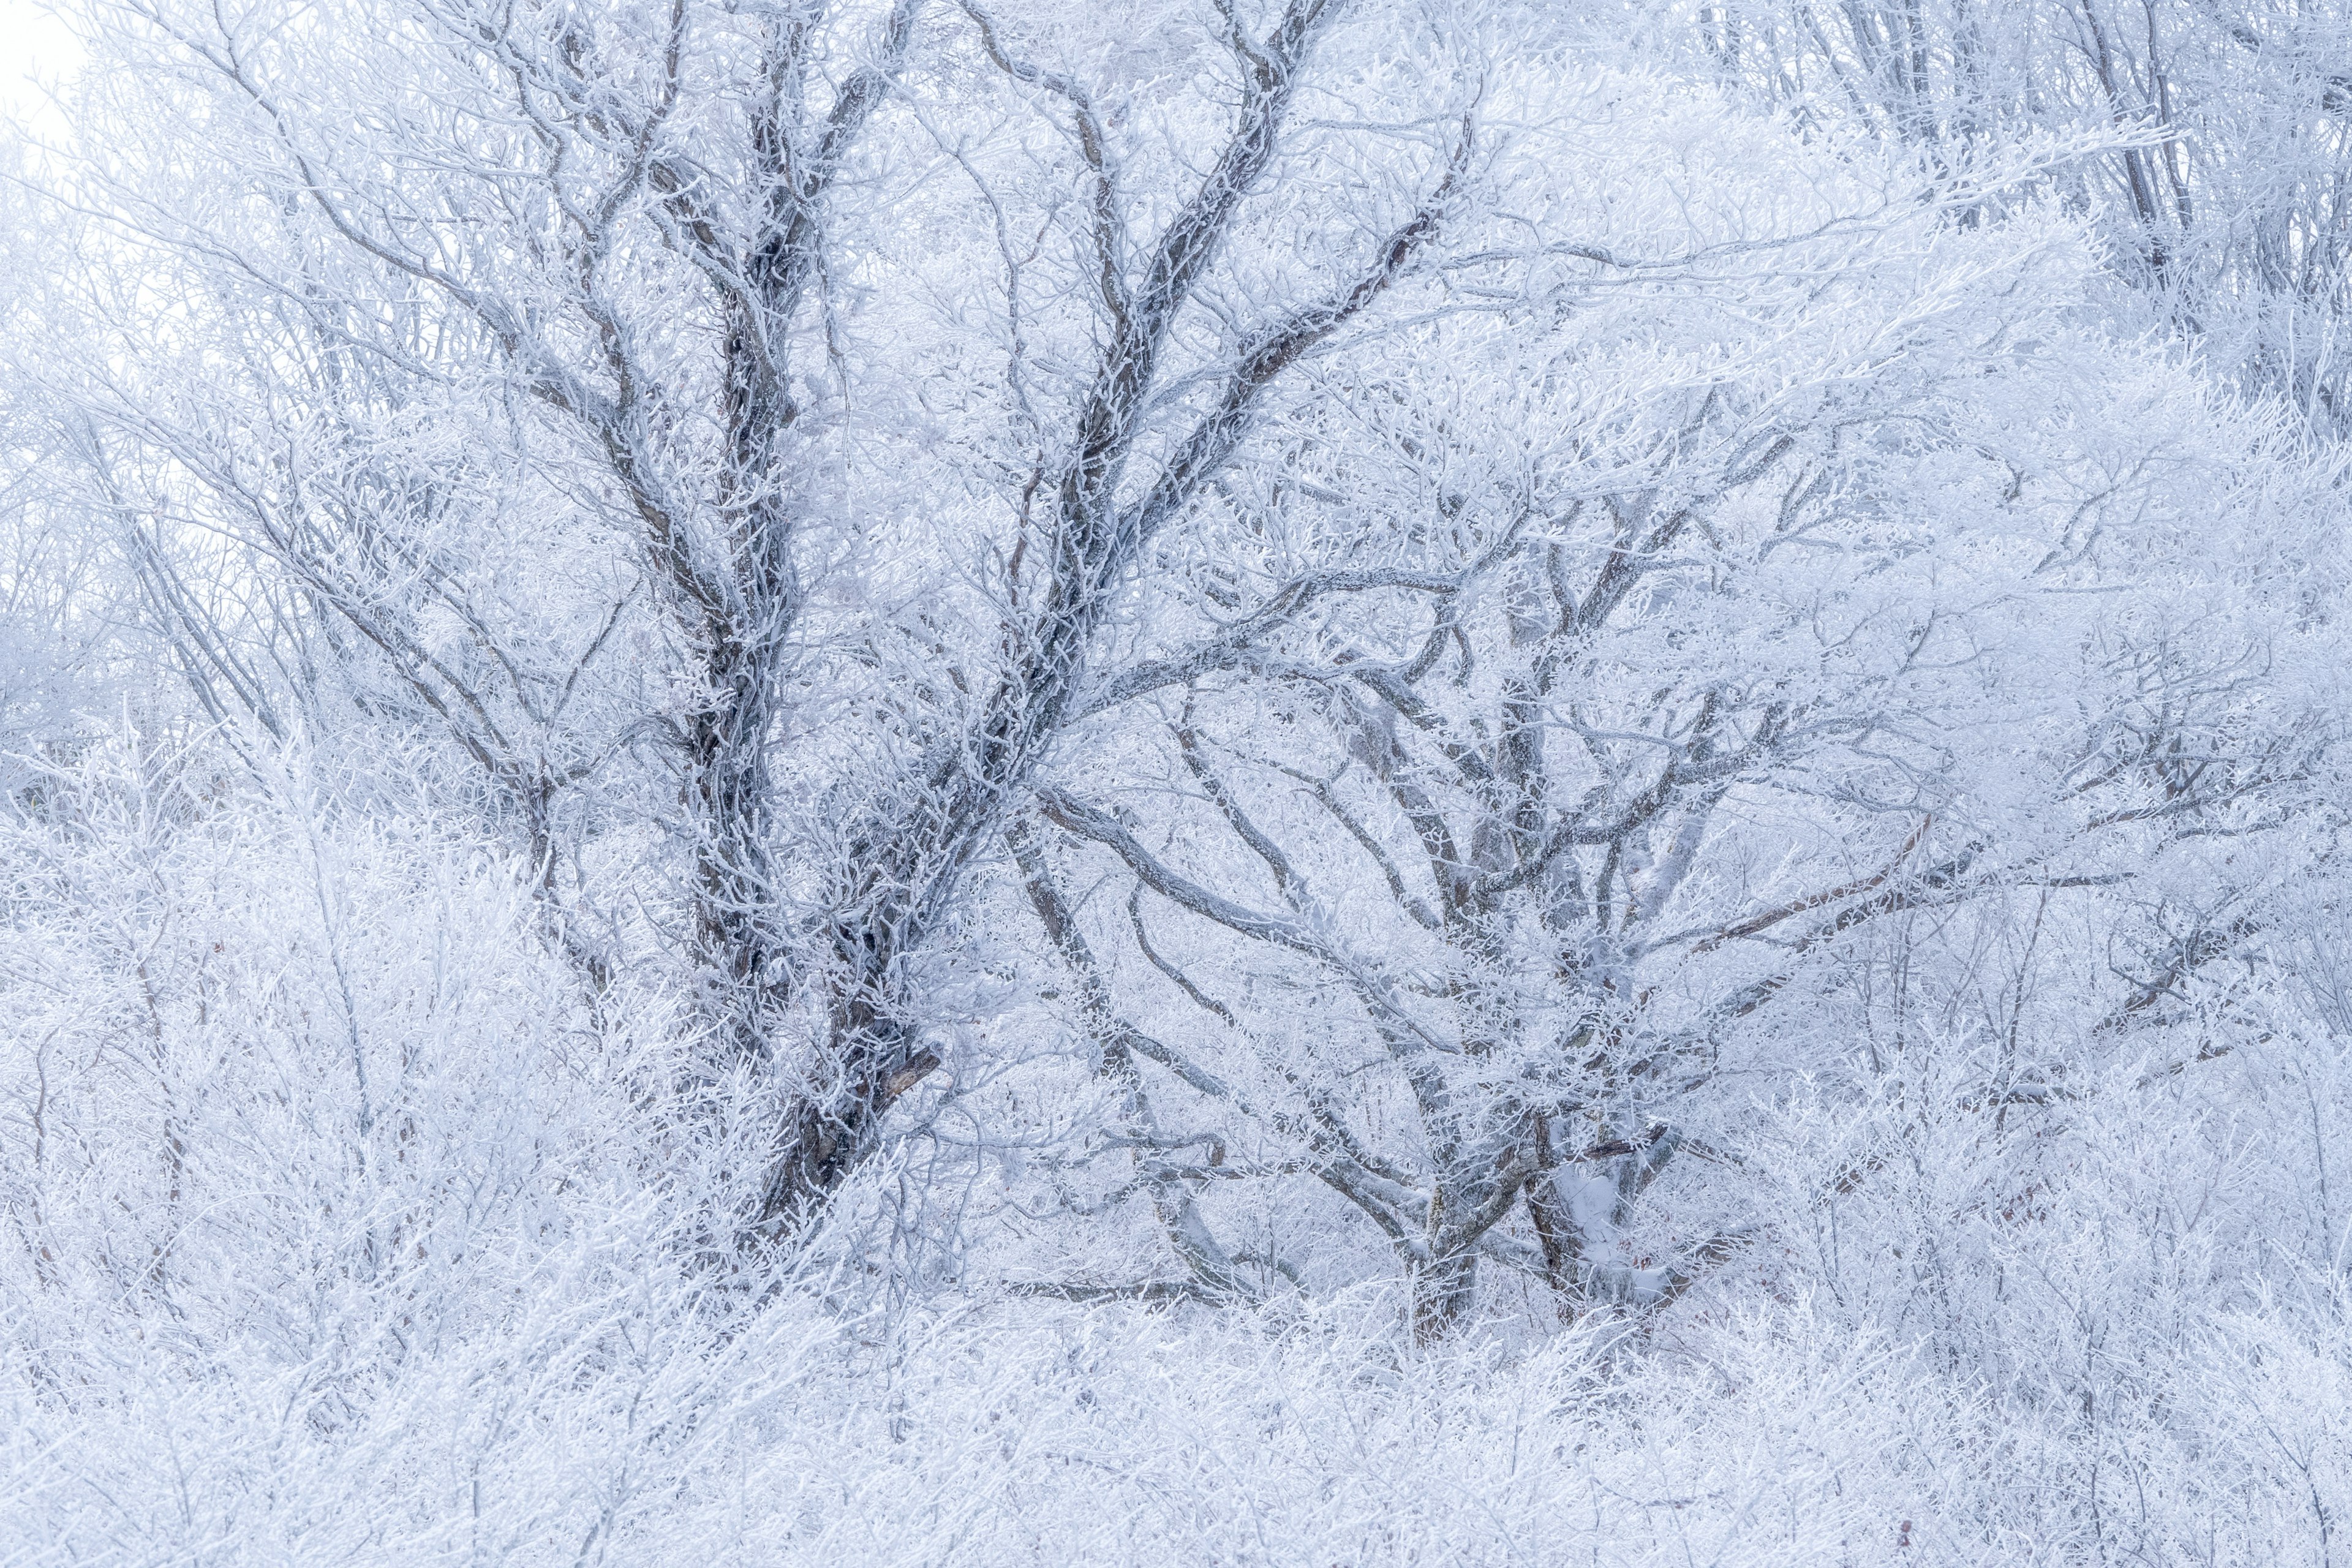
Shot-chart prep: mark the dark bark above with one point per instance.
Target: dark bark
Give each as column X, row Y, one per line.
column 914, row 855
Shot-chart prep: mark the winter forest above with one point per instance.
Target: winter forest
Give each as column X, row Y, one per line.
column 1178, row 781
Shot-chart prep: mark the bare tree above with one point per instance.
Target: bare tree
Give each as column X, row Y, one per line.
column 1525, row 788
column 1088, row 518
column 568, row 231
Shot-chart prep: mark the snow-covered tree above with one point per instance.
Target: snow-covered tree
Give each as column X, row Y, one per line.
column 1221, row 780
column 1575, row 686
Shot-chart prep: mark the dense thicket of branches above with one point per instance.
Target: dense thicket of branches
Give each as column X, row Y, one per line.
column 1226, row 779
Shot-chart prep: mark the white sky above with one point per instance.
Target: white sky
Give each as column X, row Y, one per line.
column 35, row 48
